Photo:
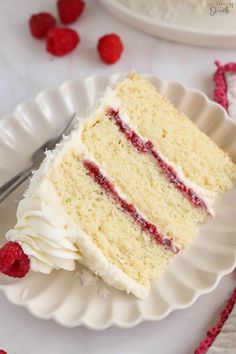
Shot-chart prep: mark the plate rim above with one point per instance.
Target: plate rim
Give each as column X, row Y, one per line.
column 141, row 318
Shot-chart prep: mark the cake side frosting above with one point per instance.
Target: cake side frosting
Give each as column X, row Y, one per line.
column 43, row 229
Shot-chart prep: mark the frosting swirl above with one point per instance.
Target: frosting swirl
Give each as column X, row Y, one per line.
column 44, row 231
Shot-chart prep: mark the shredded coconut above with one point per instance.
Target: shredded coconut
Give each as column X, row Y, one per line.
column 103, row 291
column 87, row 278
column 166, row 10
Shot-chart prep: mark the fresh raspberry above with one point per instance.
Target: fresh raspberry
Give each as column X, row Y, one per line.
column 13, row 261
column 110, row 48
column 70, row 10
column 61, row 41
column 2, row 351
column 40, row 24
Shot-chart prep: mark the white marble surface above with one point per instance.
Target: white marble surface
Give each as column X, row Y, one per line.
column 25, row 69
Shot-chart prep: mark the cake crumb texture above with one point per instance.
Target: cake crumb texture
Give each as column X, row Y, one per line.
column 121, row 241
column 141, row 181
column 175, row 136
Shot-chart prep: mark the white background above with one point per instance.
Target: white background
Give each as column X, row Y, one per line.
column 26, row 69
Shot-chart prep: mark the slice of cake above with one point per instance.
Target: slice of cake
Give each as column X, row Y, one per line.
column 124, row 194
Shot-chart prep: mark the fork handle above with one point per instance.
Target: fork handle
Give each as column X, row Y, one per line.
column 14, row 183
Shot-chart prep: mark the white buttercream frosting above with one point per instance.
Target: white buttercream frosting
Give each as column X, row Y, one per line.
column 44, row 231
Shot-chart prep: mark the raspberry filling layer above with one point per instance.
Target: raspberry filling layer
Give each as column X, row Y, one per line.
column 146, row 147
column 146, row 226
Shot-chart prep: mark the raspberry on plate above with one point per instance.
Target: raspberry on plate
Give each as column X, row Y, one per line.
column 70, row 10
column 61, row 41
column 110, row 48
column 40, row 24
column 13, row 261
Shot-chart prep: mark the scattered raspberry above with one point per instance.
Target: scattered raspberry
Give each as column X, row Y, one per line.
column 110, row 48
column 70, row 10
column 40, row 24
column 61, row 41
column 13, row 261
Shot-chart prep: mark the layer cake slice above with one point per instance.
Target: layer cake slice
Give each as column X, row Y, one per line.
column 124, row 194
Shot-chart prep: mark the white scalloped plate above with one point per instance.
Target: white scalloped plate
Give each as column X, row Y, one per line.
column 185, row 25
column 71, row 299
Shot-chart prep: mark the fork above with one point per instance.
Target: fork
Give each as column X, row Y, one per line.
column 7, row 188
